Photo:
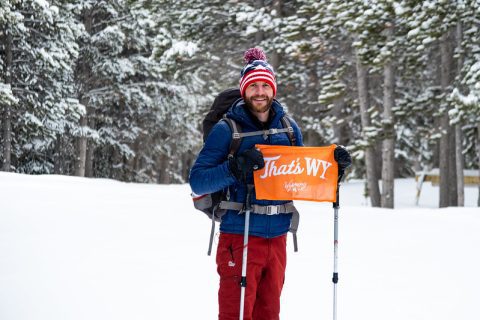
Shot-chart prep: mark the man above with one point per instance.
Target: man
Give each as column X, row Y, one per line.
column 215, row 170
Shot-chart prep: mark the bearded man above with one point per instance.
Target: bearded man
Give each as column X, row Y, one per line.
column 257, row 113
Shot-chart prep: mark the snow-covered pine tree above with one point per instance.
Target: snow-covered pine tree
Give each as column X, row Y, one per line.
column 190, row 49
column 466, row 91
column 364, row 26
column 120, row 84
column 38, row 49
column 379, row 30
column 330, row 19
column 433, row 29
column 8, row 100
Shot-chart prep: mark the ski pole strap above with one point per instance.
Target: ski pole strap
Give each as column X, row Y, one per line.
column 212, row 234
column 294, row 227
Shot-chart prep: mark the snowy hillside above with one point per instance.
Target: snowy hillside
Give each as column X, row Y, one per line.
column 85, row 249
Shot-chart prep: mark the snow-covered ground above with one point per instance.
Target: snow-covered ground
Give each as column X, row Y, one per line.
column 94, row 249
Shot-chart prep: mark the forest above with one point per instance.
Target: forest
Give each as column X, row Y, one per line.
column 118, row 89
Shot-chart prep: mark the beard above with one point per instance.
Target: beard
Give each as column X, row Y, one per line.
column 257, row 106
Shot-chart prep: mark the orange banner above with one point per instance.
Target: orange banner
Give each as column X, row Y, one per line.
column 297, row 173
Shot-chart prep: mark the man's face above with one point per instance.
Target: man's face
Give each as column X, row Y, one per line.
column 259, row 96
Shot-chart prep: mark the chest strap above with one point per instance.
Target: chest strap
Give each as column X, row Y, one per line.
column 264, row 133
column 270, row 210
column 238, row 135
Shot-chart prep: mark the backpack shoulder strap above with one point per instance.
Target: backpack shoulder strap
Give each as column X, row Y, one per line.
column 236, row 136
column 286, row 123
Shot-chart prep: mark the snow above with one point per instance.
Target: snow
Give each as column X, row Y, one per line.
column 413, row 33
column 6, row 95
column 30, row 118
column 399, row 9
column 181, row 48
column 42, row 3
column 75, row 248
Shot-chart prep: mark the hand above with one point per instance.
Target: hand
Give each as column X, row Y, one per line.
column 246, row 162
column 342, row 156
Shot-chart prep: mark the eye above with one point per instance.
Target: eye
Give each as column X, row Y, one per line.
column 266, row 85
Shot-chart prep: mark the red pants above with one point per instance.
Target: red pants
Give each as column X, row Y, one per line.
column 267, row 259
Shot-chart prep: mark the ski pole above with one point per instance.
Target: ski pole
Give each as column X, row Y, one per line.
column 212, row 233
column 243, row 282
column 336, row 206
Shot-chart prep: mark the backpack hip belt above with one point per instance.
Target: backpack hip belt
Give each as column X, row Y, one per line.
column 259, row 209
column 270, row 210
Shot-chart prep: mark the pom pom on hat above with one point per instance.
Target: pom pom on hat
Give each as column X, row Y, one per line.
column 257, row 69
column 253, row 54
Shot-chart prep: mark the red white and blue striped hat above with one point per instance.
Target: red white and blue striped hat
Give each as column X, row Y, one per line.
column 257, row 69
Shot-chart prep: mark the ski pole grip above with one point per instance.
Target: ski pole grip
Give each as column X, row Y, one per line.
column 243, row 282
column 336, row 204
column 335, row 277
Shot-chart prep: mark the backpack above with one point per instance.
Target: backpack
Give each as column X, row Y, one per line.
column 219, row 108
column 211, row 204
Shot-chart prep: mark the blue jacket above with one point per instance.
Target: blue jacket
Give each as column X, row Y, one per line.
column 210, row 172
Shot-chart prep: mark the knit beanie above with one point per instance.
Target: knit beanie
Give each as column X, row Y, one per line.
column 256, row 69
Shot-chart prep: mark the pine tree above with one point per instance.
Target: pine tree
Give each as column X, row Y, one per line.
column 38, row 50
column 433, row 26
column 465, row 95
column 7, row 97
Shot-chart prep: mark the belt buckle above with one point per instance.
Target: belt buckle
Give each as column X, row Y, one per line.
column 272, row 210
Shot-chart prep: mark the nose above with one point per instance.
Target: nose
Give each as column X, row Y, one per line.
column 259, row 90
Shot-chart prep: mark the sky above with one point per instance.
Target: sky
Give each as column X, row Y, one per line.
column 77, row 248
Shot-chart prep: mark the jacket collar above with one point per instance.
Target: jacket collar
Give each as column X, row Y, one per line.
column 239, row 113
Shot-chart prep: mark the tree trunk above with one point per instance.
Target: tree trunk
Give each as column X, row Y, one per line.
column 187, row 162
column 452, row 168
column 448, row 177
column 7, row 112
column 370, row 160
column 444, row 127
column 81, row 149
column 81, row 142
column 89, row 160
column 443, row 162
column 388, row 146
column 116, row 166
column 459, row 163
column 259, row 35
column 275, row 57
column 163, row 176
column 278, row 7
column 58, row 156
column 478, row 155
column 7, row 138
column 340, row 135
column 275, row 60
column 90, row 150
